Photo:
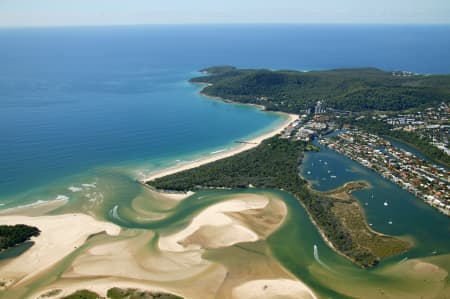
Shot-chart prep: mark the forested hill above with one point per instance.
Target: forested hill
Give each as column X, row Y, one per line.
column 344, row 89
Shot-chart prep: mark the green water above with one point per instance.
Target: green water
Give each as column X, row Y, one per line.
column 115, row 196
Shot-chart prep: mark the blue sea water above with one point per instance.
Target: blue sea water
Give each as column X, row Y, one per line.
column 75, row 99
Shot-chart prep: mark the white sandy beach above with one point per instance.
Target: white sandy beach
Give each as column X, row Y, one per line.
column 226, row 230
column 272, row 289
column 176, row 267
column 60, row 235
column 251, row 143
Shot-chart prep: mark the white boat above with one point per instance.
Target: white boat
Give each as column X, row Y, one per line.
column 386, row 204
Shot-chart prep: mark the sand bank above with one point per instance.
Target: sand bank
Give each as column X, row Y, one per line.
column 99, row 286
column 213, row 222
column 60, row 235
column 35, row 209
column 176, row 265
column 224, row 154
column 273, row 288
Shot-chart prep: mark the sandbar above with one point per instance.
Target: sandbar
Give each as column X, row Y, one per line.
column 273, row 288
column 215, row 218
column 60, row 235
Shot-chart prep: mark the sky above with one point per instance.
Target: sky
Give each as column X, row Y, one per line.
column 25, row 13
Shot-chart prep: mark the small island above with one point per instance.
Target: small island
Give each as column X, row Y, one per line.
column 13, row 235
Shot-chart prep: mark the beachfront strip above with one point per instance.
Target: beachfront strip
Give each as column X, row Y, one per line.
column 425, row 180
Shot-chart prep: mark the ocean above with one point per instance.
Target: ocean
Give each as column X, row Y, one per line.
column 72, row 99
column 84, row 112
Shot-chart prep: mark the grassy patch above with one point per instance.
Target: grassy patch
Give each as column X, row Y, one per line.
column 352, row 218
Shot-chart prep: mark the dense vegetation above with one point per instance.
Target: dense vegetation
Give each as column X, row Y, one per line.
column 83, row 294
column 344, row 89
column 117, row 293
column 12, row 235
column 273, row 164
column 422, row 144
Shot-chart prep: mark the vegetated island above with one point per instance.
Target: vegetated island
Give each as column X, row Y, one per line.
column 114, row 293
column 13, row 235
column 274, row 164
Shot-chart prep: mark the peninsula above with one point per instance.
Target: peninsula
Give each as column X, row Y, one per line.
column 274, row 162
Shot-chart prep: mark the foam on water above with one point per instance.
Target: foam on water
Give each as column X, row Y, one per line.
column 75, row 189
column 61, row 197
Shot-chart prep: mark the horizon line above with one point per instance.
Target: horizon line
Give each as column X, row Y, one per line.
column 220, row 24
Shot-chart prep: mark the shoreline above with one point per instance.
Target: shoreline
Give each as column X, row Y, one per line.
column 60, row 236
column 249, row 144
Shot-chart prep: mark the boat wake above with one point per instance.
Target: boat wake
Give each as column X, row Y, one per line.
column 403, row 260
column 115, row 213
column 317, row 258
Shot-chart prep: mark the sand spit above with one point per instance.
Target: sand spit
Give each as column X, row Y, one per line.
column 214, row 221
column 35, row 209
column 60, row 235
column 223, row 154
column 273, row 288
column 177, row 196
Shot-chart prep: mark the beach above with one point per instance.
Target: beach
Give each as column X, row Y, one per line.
column 246, row 145
column 245, row 218
column 177, row 264
column 60, row 235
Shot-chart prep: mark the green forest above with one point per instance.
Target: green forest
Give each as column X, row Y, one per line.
column 12, row 235
column 273, row 164
column 359, row 89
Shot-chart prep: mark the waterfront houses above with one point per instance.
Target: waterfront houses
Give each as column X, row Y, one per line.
column 427, row 181
column 430, row 124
